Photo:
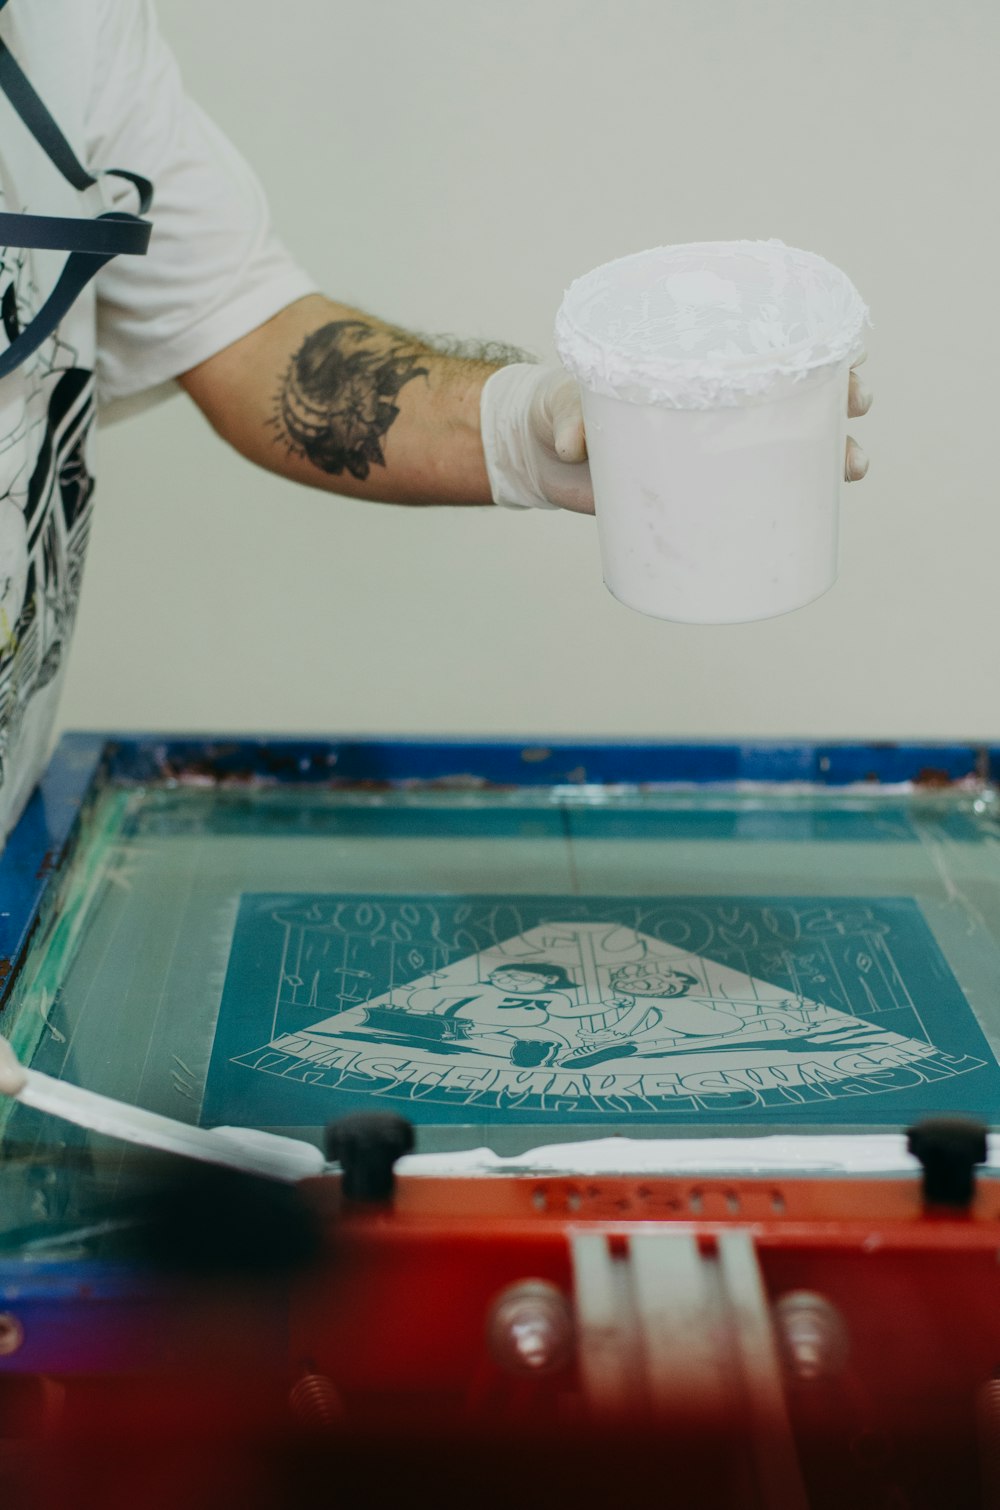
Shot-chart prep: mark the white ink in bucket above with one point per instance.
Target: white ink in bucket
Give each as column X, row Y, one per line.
column 714, row 379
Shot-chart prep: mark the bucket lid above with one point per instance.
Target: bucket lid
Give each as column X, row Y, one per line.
column 708, row 324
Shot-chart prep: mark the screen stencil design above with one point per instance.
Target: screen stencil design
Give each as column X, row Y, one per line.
column 596, row 1010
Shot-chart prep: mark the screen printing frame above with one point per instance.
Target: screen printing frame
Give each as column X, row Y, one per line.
column 51, row 857
column 68, row 1301
column 40, row 846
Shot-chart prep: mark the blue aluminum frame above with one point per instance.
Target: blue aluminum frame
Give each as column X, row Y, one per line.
column 538, row 762
column 36, row 848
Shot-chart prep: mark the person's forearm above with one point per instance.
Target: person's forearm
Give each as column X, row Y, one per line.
column 337, row 399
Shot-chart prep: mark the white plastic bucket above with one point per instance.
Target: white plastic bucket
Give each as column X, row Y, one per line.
column 714, row 379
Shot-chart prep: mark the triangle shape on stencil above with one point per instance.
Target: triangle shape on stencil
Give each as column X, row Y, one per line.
column 581, row 1009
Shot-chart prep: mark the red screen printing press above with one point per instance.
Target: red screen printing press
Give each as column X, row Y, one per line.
column 478, row 1121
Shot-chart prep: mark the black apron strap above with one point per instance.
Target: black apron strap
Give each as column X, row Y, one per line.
column 108, row 235
column 90, row 243
column 40, row 123
column 33, row 112
column 77, row 272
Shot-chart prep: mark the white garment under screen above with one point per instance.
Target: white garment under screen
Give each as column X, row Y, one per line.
column 213, row 272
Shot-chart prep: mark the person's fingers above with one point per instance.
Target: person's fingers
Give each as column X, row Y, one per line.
column 859, row 397
column 568, row 436
column 855, row 461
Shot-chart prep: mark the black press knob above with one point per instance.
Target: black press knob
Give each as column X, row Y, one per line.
column 366, row 1145
column 949, row 1148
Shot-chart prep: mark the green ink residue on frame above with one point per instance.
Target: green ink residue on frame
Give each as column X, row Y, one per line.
column 26, row 1018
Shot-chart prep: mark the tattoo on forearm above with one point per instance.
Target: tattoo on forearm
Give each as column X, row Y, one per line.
column 335, row 404
column 475, row 352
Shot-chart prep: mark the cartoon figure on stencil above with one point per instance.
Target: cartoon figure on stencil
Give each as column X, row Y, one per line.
column 507, row 1015
column 510, row 1014
column 655, row 1015
column 550, row 1016
column 648, row 995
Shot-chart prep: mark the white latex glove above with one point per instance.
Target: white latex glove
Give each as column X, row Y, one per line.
column 536, row 452
column 859, row 401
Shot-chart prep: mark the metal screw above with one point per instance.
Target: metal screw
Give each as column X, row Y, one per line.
column 530, row 1328
column 812, row 1336
column 11, row 1333
column 988, row 1431
column 315, row 1401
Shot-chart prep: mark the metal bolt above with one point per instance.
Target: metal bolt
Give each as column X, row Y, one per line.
column 988, row 1431
column 812, row 1336
column 11, row 1333
column 530, row 1328
column 316, row 1402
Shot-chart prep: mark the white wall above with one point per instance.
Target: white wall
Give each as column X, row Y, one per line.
column 451, row 165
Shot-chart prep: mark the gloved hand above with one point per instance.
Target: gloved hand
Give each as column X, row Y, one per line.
column 532, row 427
column 859, row 401
column 536, row 450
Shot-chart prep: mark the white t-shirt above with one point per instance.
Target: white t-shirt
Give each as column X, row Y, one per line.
column 213, row 272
